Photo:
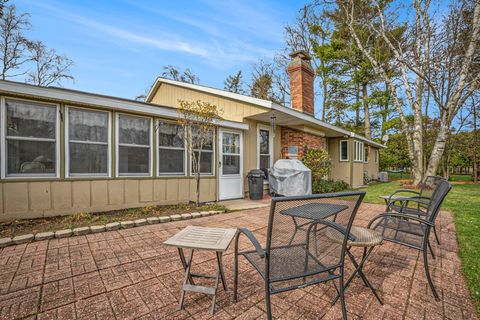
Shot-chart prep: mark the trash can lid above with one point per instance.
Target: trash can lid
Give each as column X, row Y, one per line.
column 256, row 173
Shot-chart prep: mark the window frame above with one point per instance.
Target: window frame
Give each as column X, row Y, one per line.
column 214, row 149
column 270, row 143
column 340, row 150
column 377, row 155
column 157, row 150
column 359, row 152
column 117, row 147
column 366, row 153
column 3, row 142
column 67, row 145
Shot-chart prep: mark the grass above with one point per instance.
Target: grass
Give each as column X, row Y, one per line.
column 464, row 201
column 25, row 226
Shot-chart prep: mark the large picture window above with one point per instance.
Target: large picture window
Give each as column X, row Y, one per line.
column 31, row 138
column 343, row 150
column 265, row 156
column 171, row 149
column 88, row 142
column 134, row 145
column 208, row 156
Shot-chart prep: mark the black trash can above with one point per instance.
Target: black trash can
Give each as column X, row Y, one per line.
column 255, row 184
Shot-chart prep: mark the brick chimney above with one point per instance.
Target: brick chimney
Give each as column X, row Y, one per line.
column 301, row 82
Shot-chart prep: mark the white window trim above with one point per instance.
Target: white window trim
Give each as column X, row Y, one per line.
column 3, row 143
column 365, row 154
column 157, row 150
column 377, row 155
column 270, row 143
column 214, row 146
column 359, row 156
column 117, row 147
column 340, row 151
column 67, row 146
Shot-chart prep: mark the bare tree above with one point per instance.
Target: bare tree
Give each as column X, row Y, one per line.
column 13, row 44
column 437, row 57
column 48, row 67
column 198, row 120
column 174, row 73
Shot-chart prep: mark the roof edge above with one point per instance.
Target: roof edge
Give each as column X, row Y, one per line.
column 215, row 91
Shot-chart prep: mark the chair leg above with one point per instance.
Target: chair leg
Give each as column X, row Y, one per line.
column 268, row 304
column 427, row 271
column 430, row 249
column 235, row 270
column 342, row 297
column 436, row 235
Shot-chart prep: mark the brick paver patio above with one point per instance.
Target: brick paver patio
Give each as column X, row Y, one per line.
column 129, row 274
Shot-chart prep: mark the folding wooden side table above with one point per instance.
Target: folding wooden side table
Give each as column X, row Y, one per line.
column 201, row 238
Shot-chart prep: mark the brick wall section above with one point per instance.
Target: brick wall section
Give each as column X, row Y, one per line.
column 292, row 137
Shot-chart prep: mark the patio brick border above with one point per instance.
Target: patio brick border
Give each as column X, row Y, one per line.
column 5, row 242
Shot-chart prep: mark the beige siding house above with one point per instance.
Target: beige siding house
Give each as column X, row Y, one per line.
column 65, row 151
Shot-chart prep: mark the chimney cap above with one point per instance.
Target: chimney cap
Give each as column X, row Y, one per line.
column 302, row 54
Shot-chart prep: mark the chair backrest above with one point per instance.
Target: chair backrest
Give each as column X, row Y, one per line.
column 442, row 189
column 291, row 220
column 429, row 186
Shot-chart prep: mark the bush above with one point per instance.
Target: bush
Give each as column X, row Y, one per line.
column 317, row 160
column 328, row 185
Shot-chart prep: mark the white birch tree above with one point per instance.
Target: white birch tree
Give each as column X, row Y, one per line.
column 435, row 58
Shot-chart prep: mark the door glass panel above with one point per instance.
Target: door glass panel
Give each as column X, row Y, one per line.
column 231, row 143
column 231, row 164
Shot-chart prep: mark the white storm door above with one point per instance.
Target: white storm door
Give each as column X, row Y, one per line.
column 230, row 183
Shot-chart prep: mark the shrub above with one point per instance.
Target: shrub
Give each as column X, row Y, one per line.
column 328, row 185
column 317, row 160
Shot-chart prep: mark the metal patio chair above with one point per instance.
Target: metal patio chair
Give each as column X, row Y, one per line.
column 399, row 202
column 414, row 231
column 312, row 256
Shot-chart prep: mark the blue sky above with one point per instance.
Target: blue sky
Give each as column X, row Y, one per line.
column 119, row 47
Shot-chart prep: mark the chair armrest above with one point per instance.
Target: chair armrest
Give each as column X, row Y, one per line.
column 252, row 239
column 405, row 190
column 400, row 215
column 333, row 225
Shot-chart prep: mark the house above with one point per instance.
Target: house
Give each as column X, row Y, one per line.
column 65, row 151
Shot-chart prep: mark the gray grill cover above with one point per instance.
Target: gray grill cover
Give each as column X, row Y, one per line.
column 290, row 177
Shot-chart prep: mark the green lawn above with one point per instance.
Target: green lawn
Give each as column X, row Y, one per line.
column 464, row 201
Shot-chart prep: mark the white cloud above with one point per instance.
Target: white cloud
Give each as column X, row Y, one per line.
column 219, row 51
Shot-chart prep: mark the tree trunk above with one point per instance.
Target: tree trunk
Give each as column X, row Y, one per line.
column 324, row 102
column 385, row 111
column 198, row 177
column 357, row 105
column 366, row 112
column 438, row 149
column 475, row 168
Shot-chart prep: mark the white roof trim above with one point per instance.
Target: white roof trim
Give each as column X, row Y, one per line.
column 218, row 92
column 114, row 103
column 313, row 120
column 259, row 102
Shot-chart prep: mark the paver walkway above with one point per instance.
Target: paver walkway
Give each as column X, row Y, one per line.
column 129, row 274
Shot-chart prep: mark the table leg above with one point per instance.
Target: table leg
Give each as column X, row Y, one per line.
column 358, row 269
column 220, row 268
column 184, row 263
column 187, row 276
column 214, row 298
